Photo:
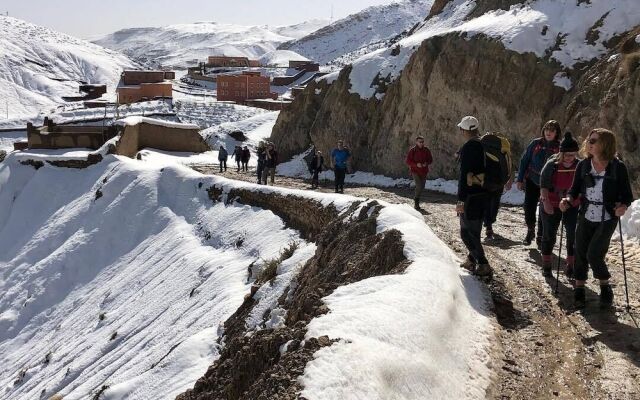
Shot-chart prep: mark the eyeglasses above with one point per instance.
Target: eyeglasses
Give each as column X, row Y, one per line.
column 592, row 141
column 420, row 141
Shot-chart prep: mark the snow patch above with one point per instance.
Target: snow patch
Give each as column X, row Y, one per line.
column 561, row 79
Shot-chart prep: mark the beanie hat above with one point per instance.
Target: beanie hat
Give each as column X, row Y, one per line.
column 568, row 144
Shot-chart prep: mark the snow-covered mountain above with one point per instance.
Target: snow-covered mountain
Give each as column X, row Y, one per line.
column 369, row 29
column 39, row 65
column 182, row 45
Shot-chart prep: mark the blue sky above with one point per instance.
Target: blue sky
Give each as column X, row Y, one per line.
column 90, row 19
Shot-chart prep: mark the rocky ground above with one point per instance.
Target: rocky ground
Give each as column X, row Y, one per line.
column 544, row 348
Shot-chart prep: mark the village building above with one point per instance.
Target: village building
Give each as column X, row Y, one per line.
column 137, row 86
column 52, row 136
column 245, row 86
column 224, row 61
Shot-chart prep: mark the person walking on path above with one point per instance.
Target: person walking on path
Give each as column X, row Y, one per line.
column 261, row 153
column 602, row 183
column 246, row 155
column 472, row 198
column 315, row 167
column 237, row 154
column 555, row 181
column 222, row 158
column 418, row 159
column 271, row 162
column 340, row 157
column 531, row 163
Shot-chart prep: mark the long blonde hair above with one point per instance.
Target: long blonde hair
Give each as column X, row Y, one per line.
column 607, row 140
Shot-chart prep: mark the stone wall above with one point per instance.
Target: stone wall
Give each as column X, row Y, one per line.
column 137, row 137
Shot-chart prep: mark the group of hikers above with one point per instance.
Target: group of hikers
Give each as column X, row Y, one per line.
column 267, row 160
column 585, row 189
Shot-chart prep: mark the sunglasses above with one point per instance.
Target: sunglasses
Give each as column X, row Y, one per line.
column 592, row 141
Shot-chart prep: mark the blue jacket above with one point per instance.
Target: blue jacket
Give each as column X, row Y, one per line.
column 534, row 159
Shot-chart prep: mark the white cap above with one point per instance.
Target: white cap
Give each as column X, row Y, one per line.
column 469, row 123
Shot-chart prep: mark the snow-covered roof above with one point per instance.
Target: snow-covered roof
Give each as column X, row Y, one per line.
column 132, row 121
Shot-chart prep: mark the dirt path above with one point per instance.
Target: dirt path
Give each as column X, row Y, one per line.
column 546, row 349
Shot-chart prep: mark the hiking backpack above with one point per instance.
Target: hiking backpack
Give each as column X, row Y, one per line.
column 497, row 161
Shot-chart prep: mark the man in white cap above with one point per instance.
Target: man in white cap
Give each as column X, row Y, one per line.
column 472, row 197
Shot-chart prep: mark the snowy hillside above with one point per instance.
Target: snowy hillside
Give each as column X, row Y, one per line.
column 38, row 66
column 369, row 28
column 117, row 281
column 534, row 27
column 182, row 45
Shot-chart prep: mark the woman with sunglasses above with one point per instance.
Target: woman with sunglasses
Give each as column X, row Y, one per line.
column 555, row 181
column 602, row 184
column 531, row 163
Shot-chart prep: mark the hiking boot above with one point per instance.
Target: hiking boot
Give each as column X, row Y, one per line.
column 606, row 295
column 579, row 297
column 539, row 242
column 489, row 234
column 530, row 235
column 484, row 270
column 469, row 265
column 546, row 266
column 416, row 204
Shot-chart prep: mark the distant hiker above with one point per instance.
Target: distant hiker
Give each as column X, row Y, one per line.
column 261, row 153
column 472, row 197
column 246, row 155
column 531, row 163
column 271, row 162
column 222, row 157
column 418, row 159
column 499, row 175
column 555, row 181
column 340, row 157
column 237, row 154
column 602, row 182
column 315, row 167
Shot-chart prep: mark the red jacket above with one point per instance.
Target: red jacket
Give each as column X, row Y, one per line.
column 419, row 156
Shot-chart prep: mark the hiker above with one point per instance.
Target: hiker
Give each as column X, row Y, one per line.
column 418, row 159
column 499, row 148
column 237, row 154
column 602, row 183
column 531, row 163
column 271, row 161
column 472, row 197
column 222, row 158
column 340, row 157
column 246, row 155
column 315, row 167
column 261, row 153
column 555, row 181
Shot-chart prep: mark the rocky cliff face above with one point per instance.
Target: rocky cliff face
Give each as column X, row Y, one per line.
column 453, row 75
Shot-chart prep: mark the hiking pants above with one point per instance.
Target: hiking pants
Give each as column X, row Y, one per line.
column 238, row 164
column 493, row 206
column 470, row 231
column 339, row 177
column 550, row 225
column 420, row 181
column 269, row 172
column 223, row 164
column 314, row 178
column 245, row 166
column 592, row 244
column 531, row 205
column 259, row 170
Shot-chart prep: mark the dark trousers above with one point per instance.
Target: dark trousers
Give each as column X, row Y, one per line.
column 531, row 205
column 470, row 231
column 245, row 166
column 420, row 181
column 493, row 205
column 259, row 170
column 238, row 164
column 471, row 226
column 592, row 244
column 314, row 177
column 550, row 225
column 339, row 177
column 223, row 164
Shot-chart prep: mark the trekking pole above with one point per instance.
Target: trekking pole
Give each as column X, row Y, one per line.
column 559, row 251
column 624, row 265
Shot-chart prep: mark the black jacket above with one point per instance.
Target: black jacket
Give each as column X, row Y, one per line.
column 314, row 165
column 271, row 160
column 471, row 159
column 616, row 187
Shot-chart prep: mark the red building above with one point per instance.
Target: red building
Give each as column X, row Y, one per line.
column 247, row 86
column 144, row 85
